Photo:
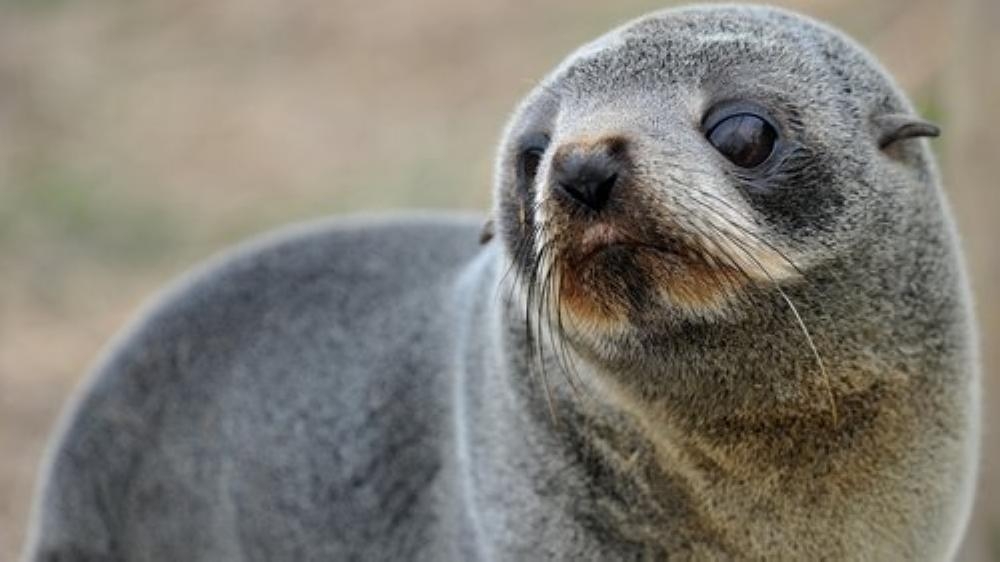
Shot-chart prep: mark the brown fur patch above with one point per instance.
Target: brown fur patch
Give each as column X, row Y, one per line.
column 597, row 297
column 612, row 144
column 872, row 433
column 702, row 286
column 778, row 462
column 590, row 301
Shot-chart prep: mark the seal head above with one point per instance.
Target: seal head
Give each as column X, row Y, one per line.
column 723, row 217
column 669, row 173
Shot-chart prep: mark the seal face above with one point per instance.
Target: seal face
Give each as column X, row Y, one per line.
column 669, row 170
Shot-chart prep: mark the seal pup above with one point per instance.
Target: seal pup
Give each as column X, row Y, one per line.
column 724, row 317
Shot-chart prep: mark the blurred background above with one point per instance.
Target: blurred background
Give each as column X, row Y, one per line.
column 137, row 138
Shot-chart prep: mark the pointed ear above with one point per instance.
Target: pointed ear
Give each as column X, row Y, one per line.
column 486, row 234
column 893, row 127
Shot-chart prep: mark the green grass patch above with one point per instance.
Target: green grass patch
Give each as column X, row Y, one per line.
column 77, row 217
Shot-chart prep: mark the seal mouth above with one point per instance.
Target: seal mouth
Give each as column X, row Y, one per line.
column 593, row 256
column 605, row 238
column 650, row 253
column 609, row 273
column 600, row 237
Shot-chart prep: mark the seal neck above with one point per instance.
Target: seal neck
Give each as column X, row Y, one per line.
column 537, row 461
column 598, row 466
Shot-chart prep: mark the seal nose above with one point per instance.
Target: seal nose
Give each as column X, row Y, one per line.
column 588, row 173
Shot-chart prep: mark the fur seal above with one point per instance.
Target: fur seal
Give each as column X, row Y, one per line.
column 724, row 317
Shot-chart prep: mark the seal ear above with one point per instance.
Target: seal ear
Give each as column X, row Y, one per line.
column 893, row 127
column 486, row 234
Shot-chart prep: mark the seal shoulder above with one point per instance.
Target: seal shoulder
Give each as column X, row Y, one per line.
column 328, row 272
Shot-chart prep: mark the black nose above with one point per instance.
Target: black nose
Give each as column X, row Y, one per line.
column 589, row 173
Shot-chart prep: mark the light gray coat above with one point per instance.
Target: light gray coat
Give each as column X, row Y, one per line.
column 391, row 390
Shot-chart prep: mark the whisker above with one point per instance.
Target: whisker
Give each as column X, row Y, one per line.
column 731, row 222
column 560, row 345
column 540, row 286
column 798, row 317
column 802, row 326
column 726, row 255
column 544, row 316
column 553, row 319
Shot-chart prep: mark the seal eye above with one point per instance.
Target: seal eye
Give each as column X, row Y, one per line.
column 747, row 140
column 532, row 151
column 530, row 159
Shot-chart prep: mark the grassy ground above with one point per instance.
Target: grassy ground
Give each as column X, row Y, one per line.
column 136, row 138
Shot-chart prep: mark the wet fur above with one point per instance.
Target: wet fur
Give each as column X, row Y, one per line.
column 773, row 366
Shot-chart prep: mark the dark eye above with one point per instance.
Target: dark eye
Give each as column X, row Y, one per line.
column 530, row 159
column 532, row 151
column 747, row 140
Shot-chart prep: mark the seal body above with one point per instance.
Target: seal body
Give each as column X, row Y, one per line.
column 724, row 318
column 257, row 413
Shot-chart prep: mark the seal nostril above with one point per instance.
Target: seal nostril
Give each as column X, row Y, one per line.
column 588, row 178
column 593, row 192
column 603, row 191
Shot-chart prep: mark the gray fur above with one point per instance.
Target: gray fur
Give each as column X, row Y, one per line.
column 365, row 390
